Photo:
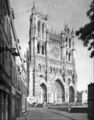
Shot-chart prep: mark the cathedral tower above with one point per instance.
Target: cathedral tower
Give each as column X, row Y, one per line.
column 52, row 73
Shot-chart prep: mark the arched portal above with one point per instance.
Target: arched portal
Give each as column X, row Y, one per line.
column 71, row 94
column 58, row 91
column 44, row 92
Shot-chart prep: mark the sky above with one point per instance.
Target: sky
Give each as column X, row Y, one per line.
column 72, row 12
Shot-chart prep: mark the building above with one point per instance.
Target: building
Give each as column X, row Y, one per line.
column 13, row 82
column 85, row 96
column 21, row 87
column 82, row 97
column 91, row 101
column 5, row 61
column 79, row 97
column 52, row 74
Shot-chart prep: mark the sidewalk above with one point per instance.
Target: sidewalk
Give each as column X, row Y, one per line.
column 24, row 117
column 73, row 116
column 21, row 118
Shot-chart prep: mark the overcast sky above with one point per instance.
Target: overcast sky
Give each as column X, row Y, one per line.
column 72, row 12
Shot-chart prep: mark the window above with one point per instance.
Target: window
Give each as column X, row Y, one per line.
column 69, row 56
column 69, row 81
column 42, row 30
column 38, row 48
column 39, row 66
column 43, row 49
column 66, row 55
column 38, row 26
column 73, row 79
column 69, row 42
column 66, row 39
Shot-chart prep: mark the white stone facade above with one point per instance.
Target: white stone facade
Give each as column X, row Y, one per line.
column 52, row 75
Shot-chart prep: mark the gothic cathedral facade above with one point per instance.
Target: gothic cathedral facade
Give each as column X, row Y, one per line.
column 52, row 74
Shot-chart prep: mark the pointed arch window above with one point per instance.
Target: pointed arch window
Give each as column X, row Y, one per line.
column 66, row 55
column 69, row 56
column 39, row 66
column 38, row 26
column 42, row 30
column 73, row 78
column 69, row 42
column 66, row 39
column 38, row 48
column 43, row 49
column 69, row 81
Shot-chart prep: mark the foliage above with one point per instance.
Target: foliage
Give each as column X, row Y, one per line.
column 86, row 33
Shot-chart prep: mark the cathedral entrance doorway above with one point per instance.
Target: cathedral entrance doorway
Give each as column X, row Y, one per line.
column 58, row 92
column 44, row 92
column 71, row 94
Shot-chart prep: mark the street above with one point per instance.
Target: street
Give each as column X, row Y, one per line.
column 49, row 114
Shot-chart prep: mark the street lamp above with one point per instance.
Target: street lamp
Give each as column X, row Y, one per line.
column 11, row 50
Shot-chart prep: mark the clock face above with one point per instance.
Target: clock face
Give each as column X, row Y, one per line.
column 54, row 52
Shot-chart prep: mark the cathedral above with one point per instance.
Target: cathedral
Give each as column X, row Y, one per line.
column 52, row 74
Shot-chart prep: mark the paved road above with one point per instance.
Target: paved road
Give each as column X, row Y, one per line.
column 48, row 114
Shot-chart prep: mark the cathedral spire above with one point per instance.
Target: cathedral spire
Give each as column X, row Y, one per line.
column 33, row 5
column 66, row 28
column 33, row 8
column 72, row 31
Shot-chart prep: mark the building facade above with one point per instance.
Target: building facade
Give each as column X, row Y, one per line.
column 52, row 74
column 5, row 72
column 13, row 76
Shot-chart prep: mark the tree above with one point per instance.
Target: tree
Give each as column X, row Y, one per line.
column 86, row 33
